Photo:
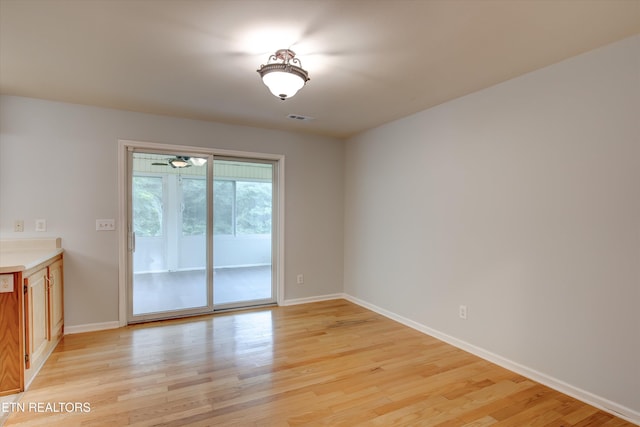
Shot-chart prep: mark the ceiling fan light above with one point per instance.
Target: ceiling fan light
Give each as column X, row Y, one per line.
column 197, row 161
column 179, row 162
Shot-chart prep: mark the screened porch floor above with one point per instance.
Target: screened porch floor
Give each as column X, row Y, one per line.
column 158, row 292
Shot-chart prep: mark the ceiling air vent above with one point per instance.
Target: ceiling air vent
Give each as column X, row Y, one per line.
column 300, row 118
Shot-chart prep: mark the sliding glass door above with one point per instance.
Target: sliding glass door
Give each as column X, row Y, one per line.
column 200, row 234
column 169, row 228
column 242, row 233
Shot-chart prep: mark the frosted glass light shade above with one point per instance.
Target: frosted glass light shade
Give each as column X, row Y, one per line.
column 282, row 84
column 179, row 162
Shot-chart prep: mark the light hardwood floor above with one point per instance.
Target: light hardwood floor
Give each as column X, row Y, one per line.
column 329, row 363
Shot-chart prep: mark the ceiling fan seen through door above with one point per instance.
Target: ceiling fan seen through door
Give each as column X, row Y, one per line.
column 178, row 162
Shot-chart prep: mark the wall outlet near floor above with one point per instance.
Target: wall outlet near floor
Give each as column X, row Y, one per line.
column 18, row 226
column 300, row 279
column 462, row 312
column 105, row 224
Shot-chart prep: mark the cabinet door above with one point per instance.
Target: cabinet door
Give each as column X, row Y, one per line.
column 36, row 315
column 56, row 300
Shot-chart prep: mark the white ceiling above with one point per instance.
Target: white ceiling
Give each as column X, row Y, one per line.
column 370, row 61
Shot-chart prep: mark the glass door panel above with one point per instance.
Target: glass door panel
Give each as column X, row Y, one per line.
column 243, row 228
column 169, row 217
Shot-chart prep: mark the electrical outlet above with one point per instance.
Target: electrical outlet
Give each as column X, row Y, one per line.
column 462, row 312
column 18, row 226
column 6, row 283
column 41, row 225
column 300, row 279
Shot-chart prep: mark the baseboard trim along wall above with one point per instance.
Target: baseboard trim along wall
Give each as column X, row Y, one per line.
column 90, row 327
column 577, row 393
column 307, row 300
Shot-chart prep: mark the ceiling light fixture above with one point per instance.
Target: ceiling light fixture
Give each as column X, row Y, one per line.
column 283, row 74
column 197, row 161
column 180, row 162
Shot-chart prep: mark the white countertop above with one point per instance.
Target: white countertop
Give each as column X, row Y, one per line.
column 23, row 254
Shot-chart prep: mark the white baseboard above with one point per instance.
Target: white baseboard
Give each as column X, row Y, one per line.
column 554, row 383
column 91, row 327
column 307, row 300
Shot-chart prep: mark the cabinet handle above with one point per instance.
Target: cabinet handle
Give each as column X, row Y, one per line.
column 27, row 317
column 50, row 280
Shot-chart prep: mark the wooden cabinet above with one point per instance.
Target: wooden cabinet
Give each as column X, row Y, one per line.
column 31, row 322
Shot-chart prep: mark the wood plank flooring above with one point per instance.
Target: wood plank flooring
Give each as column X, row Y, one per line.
column 331, row 363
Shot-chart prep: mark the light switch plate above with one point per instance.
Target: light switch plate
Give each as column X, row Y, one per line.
column 6, row 283
column 105, row 224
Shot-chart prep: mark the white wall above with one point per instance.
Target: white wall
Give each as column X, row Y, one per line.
column 59, row 162
column 521, row 201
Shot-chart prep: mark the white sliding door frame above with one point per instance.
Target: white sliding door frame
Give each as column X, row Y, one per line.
column 125, row 146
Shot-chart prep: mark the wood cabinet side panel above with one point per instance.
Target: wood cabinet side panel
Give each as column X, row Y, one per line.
column 11, row 379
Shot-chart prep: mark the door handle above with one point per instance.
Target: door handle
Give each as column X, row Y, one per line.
column 132, row 241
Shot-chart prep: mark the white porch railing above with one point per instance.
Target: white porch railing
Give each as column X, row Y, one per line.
column 153, row 254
